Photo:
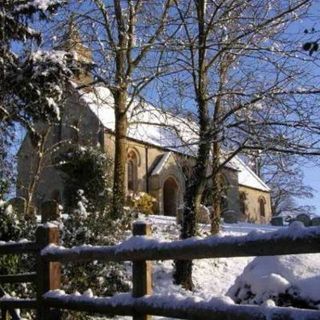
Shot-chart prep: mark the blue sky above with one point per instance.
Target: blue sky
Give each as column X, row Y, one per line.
column 312, row 178
column 312, row 170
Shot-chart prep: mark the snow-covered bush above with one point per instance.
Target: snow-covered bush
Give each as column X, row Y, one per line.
column 13, row 227
column 93, row 228
column 32, row 80
column 290, row 280
column 88, row 169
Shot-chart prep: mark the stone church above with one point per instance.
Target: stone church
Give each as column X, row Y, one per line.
column 160, row 145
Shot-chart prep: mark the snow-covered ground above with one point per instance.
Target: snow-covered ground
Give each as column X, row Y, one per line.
column 212, row 277
column 246, row 279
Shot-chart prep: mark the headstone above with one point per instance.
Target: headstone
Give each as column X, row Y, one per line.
column 315, row 221
column 277, row 221
column 230, row 216
column 19, row 205
column 204, row 215
column 304, row 218
column 50, row 211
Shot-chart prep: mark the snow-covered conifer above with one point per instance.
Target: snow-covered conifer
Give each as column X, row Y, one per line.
column 31, row 80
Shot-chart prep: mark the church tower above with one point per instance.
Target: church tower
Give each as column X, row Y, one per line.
column 72, row 42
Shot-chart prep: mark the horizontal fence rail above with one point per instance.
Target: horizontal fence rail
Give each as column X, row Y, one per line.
column 10, row 303
column 142, row 248
column 171, row 306
column 19, row 248
column 18, row 278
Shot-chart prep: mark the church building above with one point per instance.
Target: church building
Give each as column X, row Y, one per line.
column 160, row 147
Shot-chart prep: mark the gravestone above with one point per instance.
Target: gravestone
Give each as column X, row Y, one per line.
column 230, row 216
column 204, row 215
column 277, row 221
column 304, row 218
column 315, row 221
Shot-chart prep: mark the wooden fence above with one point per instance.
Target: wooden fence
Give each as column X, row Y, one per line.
column 141, row 304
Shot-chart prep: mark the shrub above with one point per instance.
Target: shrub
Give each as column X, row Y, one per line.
column 142, row 202
column 95, row 228
column 13, row 227
column 87, row 169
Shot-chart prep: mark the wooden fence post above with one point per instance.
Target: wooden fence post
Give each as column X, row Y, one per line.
column 141, row 271
column 48, row 273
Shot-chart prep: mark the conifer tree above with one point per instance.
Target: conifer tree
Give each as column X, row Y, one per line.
column 31, row 80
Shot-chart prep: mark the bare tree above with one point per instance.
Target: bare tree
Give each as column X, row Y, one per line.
column 249, row 91
column 127, row 39
column 284, row 176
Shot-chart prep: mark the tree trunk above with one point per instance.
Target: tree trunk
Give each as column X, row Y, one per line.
column 183, row 268
column 120, row 157
column 216, row 190
column 216, row 152
column 198, row 180
column 195, row 186
column 39, row 144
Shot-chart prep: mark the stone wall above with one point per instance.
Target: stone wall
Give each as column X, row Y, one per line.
column 148, row 157
column 50, row 185
column 253, row 207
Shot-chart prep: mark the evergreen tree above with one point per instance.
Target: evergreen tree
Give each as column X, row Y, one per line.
column 31, row 81
column 86, row 170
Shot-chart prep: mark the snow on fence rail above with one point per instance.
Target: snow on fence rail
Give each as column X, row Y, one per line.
column 141, row 249
column 287, row 241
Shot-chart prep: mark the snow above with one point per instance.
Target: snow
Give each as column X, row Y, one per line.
column 247, row 177
column 42, row 5
column 146, row 123
column 9, row 210
column 270, row 276
column 52, row 224
column 88, row 293
column 193, row 306
column 164, row 129
column 158, row 168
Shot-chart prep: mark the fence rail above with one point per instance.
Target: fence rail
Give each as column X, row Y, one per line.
column 19, row 248
column 141, row 304
column 18, row 278
column 274, row 243
column 177, row 308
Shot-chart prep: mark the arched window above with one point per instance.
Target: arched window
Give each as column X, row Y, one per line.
column 262, row 206
column 132, row 171
column 242, row 204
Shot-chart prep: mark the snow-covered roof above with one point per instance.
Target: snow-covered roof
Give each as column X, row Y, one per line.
column 146, row 122
column 158, row 168
column 152, row 125
column 247, row 177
